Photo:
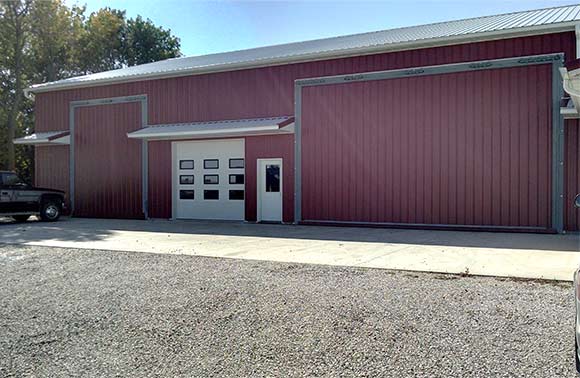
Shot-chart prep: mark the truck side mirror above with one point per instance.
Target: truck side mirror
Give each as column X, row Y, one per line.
column 577, row 201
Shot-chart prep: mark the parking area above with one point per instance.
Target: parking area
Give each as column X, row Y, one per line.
column 538, row 256
column 77, row 312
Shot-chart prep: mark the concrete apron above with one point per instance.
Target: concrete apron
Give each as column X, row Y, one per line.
column 552, row 257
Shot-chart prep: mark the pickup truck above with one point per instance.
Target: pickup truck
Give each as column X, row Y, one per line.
column 20, row 200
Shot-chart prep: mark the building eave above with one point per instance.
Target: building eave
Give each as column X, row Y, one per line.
column 569, row 26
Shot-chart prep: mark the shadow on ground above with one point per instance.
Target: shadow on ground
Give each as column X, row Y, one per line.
column 83, row 229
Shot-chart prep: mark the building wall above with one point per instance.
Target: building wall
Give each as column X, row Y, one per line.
column 108, row 180
column 470, row 148
column 269, row 91
column 160, row 179
column 51, row 168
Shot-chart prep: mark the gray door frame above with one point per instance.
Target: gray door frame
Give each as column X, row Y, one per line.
column 556, row 60
column 73, row 105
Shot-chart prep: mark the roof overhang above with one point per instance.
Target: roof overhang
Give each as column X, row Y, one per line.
column 308, row 57
column 216, row 129
column 50, row 138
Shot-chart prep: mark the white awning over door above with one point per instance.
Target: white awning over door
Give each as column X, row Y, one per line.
column 217, row 129
column 45, row 138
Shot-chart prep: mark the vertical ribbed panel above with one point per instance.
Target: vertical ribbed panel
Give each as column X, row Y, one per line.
column 51, row 168
column 107, row 163
column 160, row 179
column 572, row 174
column 269, row 91
column 470, row 148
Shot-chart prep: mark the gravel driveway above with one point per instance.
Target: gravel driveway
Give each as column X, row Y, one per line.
column 66, row 312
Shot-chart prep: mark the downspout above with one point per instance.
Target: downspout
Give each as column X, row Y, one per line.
column 30, row 95
column 577, row 31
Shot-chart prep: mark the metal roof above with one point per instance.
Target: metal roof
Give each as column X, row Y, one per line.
column 443, row 33
column 211, row 129
column 50, row 137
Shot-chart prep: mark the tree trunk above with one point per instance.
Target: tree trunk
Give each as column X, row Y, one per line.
column 16, row 16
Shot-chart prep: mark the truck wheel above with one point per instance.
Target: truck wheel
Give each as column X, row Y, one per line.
column 21, row 218
column 50, row 211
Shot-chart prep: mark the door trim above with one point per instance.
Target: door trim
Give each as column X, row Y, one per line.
column 73, row 106
column 557, row 140
column 259, row 177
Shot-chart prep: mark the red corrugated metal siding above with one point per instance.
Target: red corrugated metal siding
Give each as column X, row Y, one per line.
column 572, row 174
column 270, row 91
column 51, row 168
column 107, row 163
column 266, row 147
column 470, row 148
column 160, row 179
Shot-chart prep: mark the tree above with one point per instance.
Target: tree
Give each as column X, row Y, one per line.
column 146, row 43
column 102, row 41
column 45, row 40
column 55, row 38
column 13, row 36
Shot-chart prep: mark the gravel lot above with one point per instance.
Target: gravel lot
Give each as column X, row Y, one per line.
column 67, row 312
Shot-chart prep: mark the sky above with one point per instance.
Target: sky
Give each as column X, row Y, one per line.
column 206, row 27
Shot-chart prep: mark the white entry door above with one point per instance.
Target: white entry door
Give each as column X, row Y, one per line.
column 209, row 179
column 270, row 190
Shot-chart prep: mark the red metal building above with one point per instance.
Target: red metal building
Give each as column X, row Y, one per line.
column 455, row 124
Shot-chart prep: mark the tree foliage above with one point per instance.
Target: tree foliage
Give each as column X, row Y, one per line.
column 145, row 43
column 46, row 40
column 102, row 41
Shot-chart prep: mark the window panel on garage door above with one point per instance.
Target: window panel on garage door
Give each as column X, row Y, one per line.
column 470, row 148
column 208, row 192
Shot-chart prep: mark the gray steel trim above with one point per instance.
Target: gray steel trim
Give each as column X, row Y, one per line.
column 432, row 70
column 145, row 161
column 73, row 105
column 174, row 174
column 71, row 161
column 297, row 152
column 426, row 225
column 109, row 100
column 557, row 150
column 557, row 122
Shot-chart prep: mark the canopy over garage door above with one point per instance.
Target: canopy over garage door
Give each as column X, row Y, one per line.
column 464, row 148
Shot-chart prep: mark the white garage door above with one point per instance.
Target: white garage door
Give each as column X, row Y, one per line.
column 208, row 179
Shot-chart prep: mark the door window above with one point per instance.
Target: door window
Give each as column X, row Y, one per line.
column 186, row 179
column 211, row 194
column 236, row 179
column 186, row 194
column 211, row 164
column 236, row 163
column 236, row 195
column 272, row 178
column 211, row 179
column 186, row 164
